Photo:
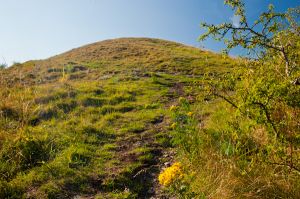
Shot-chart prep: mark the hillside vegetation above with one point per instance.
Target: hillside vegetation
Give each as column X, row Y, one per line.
column 95, row 122
column 148, row 118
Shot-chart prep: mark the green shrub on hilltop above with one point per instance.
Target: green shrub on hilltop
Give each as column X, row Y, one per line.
column 3, row 66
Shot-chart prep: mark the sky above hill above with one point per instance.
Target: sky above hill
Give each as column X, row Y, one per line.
column 35, row 29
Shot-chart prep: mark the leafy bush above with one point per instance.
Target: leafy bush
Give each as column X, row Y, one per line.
column 266, row 90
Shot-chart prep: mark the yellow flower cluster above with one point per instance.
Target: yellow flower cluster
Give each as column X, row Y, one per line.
column 170, row 174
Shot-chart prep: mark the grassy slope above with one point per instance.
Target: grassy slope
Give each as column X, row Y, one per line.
column 95, row 120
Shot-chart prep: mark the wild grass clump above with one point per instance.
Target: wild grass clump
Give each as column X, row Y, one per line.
column 123, row 108
column 25, row 153
column 93, row 101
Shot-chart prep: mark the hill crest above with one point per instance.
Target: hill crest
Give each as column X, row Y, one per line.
column 123, row 55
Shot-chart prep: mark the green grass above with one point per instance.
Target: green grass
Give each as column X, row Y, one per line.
column 73, row 138
column 94, row 124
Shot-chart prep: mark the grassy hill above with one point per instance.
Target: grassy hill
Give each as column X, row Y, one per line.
column 125, row 56
column 141, row 118
column 136, row 118
column 95, row 122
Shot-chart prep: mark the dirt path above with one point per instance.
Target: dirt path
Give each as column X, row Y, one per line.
column 143, row 180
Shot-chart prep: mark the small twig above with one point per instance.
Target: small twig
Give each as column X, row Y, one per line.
column 282, row 164
column 144, row 170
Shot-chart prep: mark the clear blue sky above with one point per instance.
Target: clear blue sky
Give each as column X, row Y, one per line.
column 37, row 29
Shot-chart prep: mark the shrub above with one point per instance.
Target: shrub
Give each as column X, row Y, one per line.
column 3, row 66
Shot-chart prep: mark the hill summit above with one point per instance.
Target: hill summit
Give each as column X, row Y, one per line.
column 122, row 55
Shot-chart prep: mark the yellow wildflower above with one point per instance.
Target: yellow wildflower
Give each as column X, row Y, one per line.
column 190, row 114
column 170, row 174
column 173, row 125
column 173, row 108
column 235, row 136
